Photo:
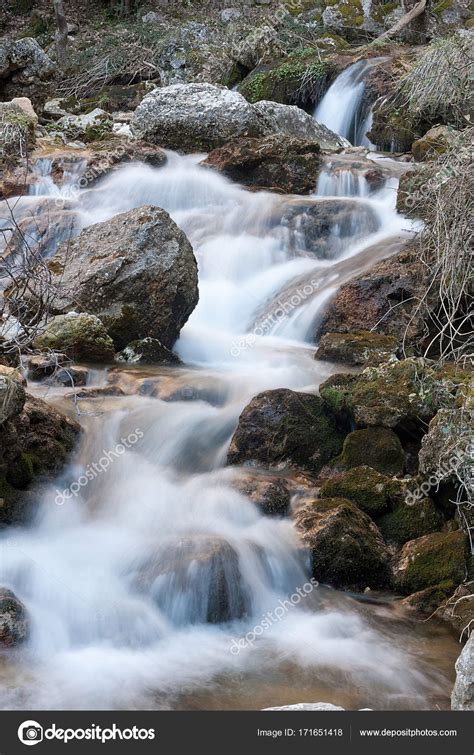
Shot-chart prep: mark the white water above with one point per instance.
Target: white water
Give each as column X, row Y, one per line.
column 102, row 636
column 341, row 107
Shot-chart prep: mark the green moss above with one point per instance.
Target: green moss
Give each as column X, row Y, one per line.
column 337, row 391
column 364, row 486
column 469, row 23
column 376, row 447
column 431, row 598
column 409, row 522
column 21, row 472
column 441, row 6
column 433, row 559
column 299, row 77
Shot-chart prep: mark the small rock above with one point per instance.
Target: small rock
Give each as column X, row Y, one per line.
column 14, row 621
column 80, row 336
column 376, row 447
column 147, row 351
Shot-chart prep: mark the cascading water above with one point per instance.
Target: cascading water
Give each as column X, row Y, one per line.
column 341, row 108
column 142, row 585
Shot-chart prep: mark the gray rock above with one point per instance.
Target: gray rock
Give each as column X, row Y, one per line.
column 462, row 697
column 12, row 398
column 77, row 125
column 292, row 120
column 230, row 14
column 194, row 117
column 14, row 622
column 136, row 272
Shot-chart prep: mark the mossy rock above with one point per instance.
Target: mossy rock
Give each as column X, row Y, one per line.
column 376, row 447
column 80, row 336
column 346, row 546
column 357, row 347
column 21, row 472
column 434, row 143
column 337, row 392
column 429, row 600
column 285, row 427
column 364, row 486
column 430, row 560
column 299, row 79
column 408, row 522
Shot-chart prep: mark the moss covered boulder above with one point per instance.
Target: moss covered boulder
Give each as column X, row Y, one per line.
column 364, row 486
column 14, row 620
column 430, row 560
column 376, row 447
column 357, row 347
column 435, row 142
column 407, row 522
column 80, row 336
column 285, row 427
column 430, row 599
column 346, row 546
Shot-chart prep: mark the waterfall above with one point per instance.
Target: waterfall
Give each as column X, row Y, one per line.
column 342, row 107
column 141, row 586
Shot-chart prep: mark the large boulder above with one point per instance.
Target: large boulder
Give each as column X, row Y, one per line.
column 14, row 621
column 80, row 336
column 346, row 546
column 17, row 136
column 283, row 426
column 205, row 569
column 24, row 69
column 431, row 560
column 136, row 272
column 287, row 165
column 193, row 117
column 409, row 521
column 462, row 697
column 376, row 447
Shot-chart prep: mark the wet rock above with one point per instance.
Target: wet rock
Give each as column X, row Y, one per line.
column 199, row 573
column 136, row 272
column 270, row 494
column 446, row 447
column 347, row 548
column 376, row 447
column 383, row 299
column 358, row 347
column 282, row 426
column 290, row 166
column 368, row 489
column 462, row 697
column 82, row 337
column 192, row 117
column 410, row 521
column 34, row 445
column 14, row 620
column 429, row 600
column 323, row 228
column 147, row 351
column 430, row 560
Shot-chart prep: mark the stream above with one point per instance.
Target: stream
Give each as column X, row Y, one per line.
column 113, row 624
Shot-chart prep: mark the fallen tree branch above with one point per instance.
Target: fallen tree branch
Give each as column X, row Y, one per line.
column 416, row 11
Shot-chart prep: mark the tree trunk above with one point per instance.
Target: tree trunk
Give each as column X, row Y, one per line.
column 61, row 33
